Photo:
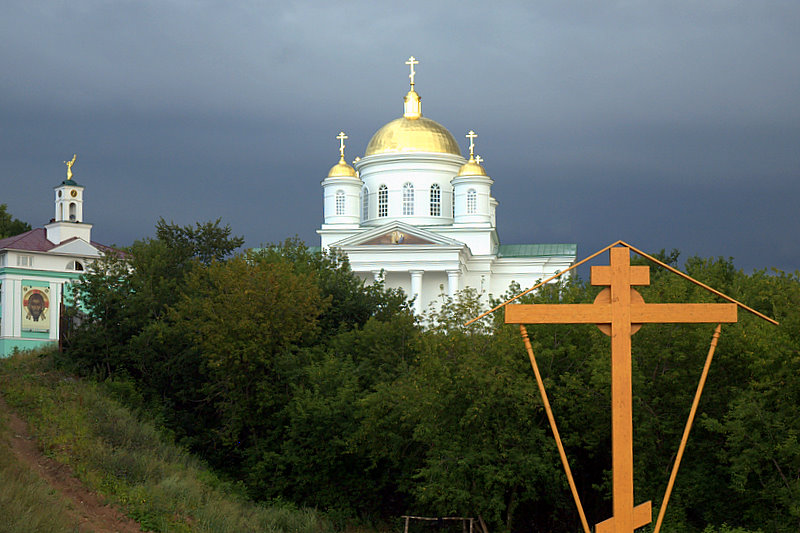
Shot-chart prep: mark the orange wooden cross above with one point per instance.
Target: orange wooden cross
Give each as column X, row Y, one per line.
column 619, row 311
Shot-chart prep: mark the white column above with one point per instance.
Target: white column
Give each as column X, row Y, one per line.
column 16, row 308
column 5, row 310
column 453, row 278
column 55, row 309
column 376, row 275
column 416, row 290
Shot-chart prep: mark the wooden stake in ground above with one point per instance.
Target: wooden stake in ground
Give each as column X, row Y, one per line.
column 619, row 311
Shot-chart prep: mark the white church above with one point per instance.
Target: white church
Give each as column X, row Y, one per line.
column 37, row 267
column 416, row 213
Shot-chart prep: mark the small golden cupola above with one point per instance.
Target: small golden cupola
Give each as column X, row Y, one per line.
column 342, row 169
column 473, row 166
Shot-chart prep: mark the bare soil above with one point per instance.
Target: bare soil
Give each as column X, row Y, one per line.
column 86, row 506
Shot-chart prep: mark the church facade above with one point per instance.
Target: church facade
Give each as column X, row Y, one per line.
column 37, row 267
column 416, row 213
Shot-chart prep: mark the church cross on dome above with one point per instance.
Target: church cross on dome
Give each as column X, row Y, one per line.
column 341, row 138
column 471, row 136
column 478, row 159
column 411, row 62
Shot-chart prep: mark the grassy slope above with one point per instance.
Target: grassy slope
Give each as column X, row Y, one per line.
column 23, row 495
column 122, row 458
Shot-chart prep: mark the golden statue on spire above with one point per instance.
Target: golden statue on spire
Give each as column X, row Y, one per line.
column 69, row 166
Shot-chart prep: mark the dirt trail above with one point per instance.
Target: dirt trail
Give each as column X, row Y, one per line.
column 87, row 507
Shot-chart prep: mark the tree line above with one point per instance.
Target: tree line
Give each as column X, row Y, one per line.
column 286, row 372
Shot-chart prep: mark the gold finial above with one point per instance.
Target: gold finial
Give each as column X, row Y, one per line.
column 411, row 62
column 69, row 166
column 341, row 138
column 478, row 159
column 471, row 136
column 356, row 160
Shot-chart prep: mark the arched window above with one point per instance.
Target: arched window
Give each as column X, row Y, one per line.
column 72, row 212
column 340, row 202
column 383, row 201
column 75, row 265
column 436, row 200
column 364, row 203
column 472, row 202
column 408, row 199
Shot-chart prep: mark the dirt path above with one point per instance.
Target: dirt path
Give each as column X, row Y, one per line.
column 87, row 508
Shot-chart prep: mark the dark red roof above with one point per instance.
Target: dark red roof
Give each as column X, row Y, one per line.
column 35, row 240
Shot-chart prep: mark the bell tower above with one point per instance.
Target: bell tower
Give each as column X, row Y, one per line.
column 68, row 220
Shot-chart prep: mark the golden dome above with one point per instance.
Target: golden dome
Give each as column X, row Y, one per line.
column 342, row 170
column 471, row 168
column 404, row 135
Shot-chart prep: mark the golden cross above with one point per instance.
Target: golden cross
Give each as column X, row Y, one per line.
column 478, row 159
column 411, row 62
column 620, row 311
column 341, row 138
column 471, row 136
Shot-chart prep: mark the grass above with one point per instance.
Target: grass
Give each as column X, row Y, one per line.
column 23, row 495
column 127, row 461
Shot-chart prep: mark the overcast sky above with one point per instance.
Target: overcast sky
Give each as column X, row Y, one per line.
column 670, row 124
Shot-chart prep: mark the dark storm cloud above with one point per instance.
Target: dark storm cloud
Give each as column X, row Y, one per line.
column 667, row 124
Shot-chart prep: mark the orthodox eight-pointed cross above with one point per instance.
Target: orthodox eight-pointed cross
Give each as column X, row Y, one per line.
column 341, row 138
column 619, row 311
column 411, row 62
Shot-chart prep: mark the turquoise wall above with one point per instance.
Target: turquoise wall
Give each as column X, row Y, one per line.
column 7, row 346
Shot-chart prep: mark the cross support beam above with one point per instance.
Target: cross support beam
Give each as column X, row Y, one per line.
column 601, row 314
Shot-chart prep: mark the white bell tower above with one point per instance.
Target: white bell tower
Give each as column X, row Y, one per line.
column 68, row 220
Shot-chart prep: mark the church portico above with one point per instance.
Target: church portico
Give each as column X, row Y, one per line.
column 425, row 219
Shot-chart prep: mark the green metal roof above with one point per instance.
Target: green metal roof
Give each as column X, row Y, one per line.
column 311, row 249
column 536, row 250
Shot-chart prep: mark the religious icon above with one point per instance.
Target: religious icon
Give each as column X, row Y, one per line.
column 35, row 308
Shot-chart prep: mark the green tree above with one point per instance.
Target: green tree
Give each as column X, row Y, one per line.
column 285, row 369
column 325, row 459
column 246, row 317
column 204, row 242
column 352, row 301
column 10, row 226
column 760, row 427
column 125, row 295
